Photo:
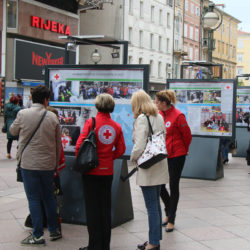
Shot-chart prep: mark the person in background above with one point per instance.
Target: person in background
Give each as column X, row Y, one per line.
column 97, row 182
column 10, row 113
column 20, row 101
column 178, row 139
column 29, row 103
column 151, row 179
column 38, row 163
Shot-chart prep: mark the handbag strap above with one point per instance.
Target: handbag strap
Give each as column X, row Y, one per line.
column 150, row 126
column 44, row 114
column 93, row 123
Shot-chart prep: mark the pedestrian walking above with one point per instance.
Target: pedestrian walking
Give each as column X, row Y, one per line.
column 10, row 113
column 97, row 182
column 178, row 139
column 39, row 160
column 151, row 179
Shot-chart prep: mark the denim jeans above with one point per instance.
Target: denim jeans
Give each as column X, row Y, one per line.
column 39, row 185
column 151, row 196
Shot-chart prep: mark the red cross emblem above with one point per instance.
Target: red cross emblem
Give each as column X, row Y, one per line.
column 107, row 134
column 56, row 76
column 227, row 87
column 64, row 142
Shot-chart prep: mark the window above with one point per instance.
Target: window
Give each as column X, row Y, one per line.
column 240, row 57
column 140, row 38
column 12, row 14
column 186, row 5
column 240, row 44
column 160, row 39
column 196, row 34
column 218, row 47
column 176, row 44
column 239, row 71
column 185, row 30
column 230, row 51
column 191, row 32
column 177, row 24
column 167, row 45
column 234, row 52
column 130, row 60
column 197, row 11
column 191, row 51
column 159, row 69
column 192, row 8
column 223, row 48
column 151, row 63
column 141, row 9
column 196, row 54
column 152, row 13
column 160, row 17
column 151, row 41
column 130, row 6
column 130, row 34
column 168, row 20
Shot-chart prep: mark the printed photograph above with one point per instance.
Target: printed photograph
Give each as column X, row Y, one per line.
column 69, row 136
column 242, row 115
column 243, row 99
column 194, row 96
column 181, row 96
column 212, row 96
column 69, row 116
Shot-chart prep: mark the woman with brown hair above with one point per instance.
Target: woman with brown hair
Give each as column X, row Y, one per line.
column 178, row 139
column 151, row 179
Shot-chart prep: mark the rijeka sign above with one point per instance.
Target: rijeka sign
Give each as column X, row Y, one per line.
column 53, row 26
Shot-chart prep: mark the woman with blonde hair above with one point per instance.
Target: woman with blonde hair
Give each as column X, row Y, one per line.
column 178, row 139
column 151, row 179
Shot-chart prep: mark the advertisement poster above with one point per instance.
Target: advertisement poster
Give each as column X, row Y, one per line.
column 73, row 92
column 208, row 106
column 242, row 106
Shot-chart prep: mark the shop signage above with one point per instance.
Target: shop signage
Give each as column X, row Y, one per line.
column 30, row 59
column 39, row 22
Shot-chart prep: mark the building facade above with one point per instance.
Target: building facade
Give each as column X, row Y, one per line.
column 243, row 56
column 225, row 40
column 29, row 41
column 191, row 33
column 147, row 25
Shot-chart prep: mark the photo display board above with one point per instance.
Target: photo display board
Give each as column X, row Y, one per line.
column 75, row 87
column 242, row 106
column 208, row 106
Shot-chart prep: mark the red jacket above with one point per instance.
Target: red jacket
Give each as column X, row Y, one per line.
column 110, row 142
column 178, row 137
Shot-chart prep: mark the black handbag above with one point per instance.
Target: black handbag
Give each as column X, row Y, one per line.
column 18, row 168
column 4, row 128
column 87, row 158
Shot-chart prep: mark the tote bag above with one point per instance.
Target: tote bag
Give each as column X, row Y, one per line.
column 155, row 150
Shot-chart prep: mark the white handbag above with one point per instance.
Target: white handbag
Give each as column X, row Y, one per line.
column 155, row 150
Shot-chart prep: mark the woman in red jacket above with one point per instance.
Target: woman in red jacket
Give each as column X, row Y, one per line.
column 97, row 182
column 178, row 139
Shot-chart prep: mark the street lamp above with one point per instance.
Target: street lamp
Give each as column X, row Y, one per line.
column 96, row 56
column 211, row 21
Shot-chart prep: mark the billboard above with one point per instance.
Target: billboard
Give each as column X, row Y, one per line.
column 242, row 106
column 74, row 88
column 209, row 106
column 31, row 58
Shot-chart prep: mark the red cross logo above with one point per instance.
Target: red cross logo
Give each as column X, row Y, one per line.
column 107, row 134
column 227, row 87
column 64, row 142
column 56, row 76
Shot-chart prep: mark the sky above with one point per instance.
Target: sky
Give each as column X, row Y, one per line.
column 239, row 9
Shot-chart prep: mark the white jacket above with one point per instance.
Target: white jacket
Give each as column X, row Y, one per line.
column 158, row 173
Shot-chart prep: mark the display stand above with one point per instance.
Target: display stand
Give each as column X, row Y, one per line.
column 242, row 138
column 204, row 160
column 73, row 204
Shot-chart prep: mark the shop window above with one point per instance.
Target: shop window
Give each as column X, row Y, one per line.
column 12, row 14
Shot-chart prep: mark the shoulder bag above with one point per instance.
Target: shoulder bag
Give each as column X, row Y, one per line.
column 18, row 169
column 4, row 128
column 87, row 158
column 155, row 150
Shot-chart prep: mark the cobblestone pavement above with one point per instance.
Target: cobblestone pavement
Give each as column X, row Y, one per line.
column 211, row 214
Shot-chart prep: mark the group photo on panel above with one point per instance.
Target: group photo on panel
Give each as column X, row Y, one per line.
column 161, row 138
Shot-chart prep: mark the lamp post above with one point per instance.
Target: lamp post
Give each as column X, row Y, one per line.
column 96, row 56
column 211, row 21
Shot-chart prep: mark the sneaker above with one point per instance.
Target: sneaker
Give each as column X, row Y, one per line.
column 32, row 240
column 8, row 156
column 55, row 236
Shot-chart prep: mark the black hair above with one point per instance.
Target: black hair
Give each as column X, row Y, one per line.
column 40, row 93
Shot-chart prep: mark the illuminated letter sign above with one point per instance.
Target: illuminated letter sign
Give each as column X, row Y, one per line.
column 38, row 22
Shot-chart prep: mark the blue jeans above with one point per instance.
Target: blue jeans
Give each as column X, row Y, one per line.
column 152, row 200
column 39, row 185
